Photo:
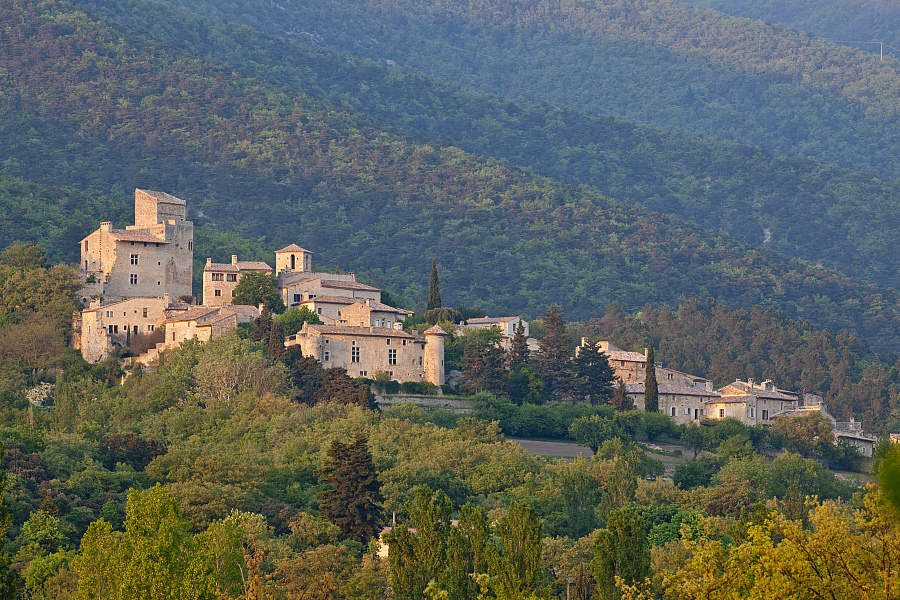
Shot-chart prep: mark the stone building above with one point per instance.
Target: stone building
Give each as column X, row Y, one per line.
column 363, row 351
column 206, row 323
column 220, row 279
column 850, row 431
column 100, row 328
column 299, row 291
column 683, row 403
column 751, row 403
column 151, row 258
column 356, row 312
column 631, row 367
column 507, row 327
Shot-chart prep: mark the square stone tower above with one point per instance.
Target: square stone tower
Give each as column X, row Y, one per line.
column 149, row 259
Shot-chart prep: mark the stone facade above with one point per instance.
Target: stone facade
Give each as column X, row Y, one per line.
column 102, row 327
column 151, row 258
column 206, row 323
column 752, row 403
column 683, row 403
column 297, row 291
column 507, row 325
column 631, row 367
column 220, row 279
column 363, row 351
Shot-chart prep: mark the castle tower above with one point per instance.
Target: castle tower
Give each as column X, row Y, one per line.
column 293, row 259
column 434, row 355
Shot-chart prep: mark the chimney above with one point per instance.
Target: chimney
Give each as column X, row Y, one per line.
column 368, row 302
column 750, row 381
column 234, row 259
column 709, row 385
column 106, row 225
column 166, row 299
column 208, row 262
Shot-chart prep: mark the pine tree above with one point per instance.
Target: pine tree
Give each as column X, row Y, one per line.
column 593, row 374
column 621, row 401
column 434, row 288
column 651, row 390
column 518, row 349
column 353, row 500
column 556, row 353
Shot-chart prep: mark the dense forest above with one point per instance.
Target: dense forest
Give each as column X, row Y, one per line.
column 276, row 166
column 837, row 219
column 850, row 21
column 659, row 62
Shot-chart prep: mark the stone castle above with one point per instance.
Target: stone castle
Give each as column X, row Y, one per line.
column 139, row 278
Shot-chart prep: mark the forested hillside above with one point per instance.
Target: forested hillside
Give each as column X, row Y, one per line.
column 656, row 61
column 837, row 219
column 278, row 167
column 846, row 20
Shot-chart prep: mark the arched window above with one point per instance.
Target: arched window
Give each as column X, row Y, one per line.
column 292, row 262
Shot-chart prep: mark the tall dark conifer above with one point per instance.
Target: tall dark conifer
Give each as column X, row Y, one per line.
column 263, row 326
column 556, row 353
column 518, row 348
column 434, row 288
column 594, row 377
column 651, row 389
column 276, row 348
column 353, row 501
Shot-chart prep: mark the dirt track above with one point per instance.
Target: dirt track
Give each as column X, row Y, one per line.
column 553, row 448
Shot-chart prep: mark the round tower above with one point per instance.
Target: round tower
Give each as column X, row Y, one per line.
column 434, row 355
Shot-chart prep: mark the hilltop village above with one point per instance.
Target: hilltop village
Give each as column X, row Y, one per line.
column 138, row 279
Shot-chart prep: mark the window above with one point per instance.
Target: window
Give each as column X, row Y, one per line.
column 296, row 297
column 721, row 413
column 218, row 277
column 190, row 245
column 392, row 357
column 363, row 373
column 151, row 327
column 669, row 376
column 752, row 413
column 354, row 354
column 134, row 279
column 173, row 336
column 673, row 411
column 319, row 310
column 326, row 356
column 687, row 411
column 404, row 342
column 85, row 245
column 389, row 341
column 135, row 329
column 218, row 293
column 232, row 277
column 145, row 313
column 420, row 361
column 765, row 415
column 134, row 259
column 115, row 329
column 109, row 313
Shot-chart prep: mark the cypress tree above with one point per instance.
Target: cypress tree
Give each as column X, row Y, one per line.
column 263, row 326
column 434, row 288
column 651, row 390
column 277, row 349
column 353, row 500
column 518, row 349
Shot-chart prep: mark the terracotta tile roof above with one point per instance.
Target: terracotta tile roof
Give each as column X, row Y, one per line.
column 380, row 307
column 760, row 392
column 490, row 320
column 206, row 315
column 241, row 266
column 348, row 285
column 627, row 356
column 164, row 197
column 124, row 235
column 293, row 248
column 298, row 282
column 332, row 300
column 732, row 399
column 680, row 390
column 194, row 314
column 363, row 331
column 435, row 330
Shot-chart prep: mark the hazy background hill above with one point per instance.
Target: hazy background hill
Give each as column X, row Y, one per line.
column 846, row 20
column 103, row 110
column 835, row 218
column 656, row 61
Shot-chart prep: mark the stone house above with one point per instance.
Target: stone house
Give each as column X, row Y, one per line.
column 220, row 279
column 102, row 327
column 299, row 291
column 681, row 402
column 850, row 431
column 751, row 403
column 151, row 258
column 206, row 323
column 507, row 327
column 363, row 351
column 631, row 367
column 357, row 312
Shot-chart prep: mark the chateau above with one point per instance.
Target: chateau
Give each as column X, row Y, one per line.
column 139, row 279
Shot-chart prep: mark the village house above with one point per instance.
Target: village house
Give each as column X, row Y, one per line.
column 149, row 259
column 364, row 351
column 220, row 279
column 507, row 327
column 206, row 323
column 100, row 328
column 631, row 367
column 681, row 402
column 752, row 403
column 850, row 431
